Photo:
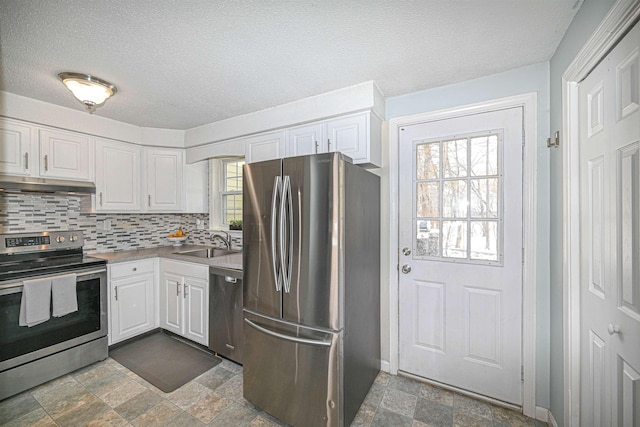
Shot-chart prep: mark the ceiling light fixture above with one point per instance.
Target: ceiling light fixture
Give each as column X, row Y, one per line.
column 91, row 91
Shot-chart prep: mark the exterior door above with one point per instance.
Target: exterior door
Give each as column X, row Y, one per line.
column 460, row 261
column 610, row 234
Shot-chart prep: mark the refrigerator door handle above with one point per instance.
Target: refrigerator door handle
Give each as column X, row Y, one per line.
column 277, row 269
column 321, row 343
column 286, row 236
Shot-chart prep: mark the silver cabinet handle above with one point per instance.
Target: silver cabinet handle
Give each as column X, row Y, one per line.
column 317, row 146
column 101, row 198
column 116, row 292
column 149, row 201
column 613, row 329
column 177, row 289
column 406, row 251
column 230, row 279
column 26, row 160
column 46, row 162
column 230, row 347
column 186, row 289
column 328, row 145
column 406, row 268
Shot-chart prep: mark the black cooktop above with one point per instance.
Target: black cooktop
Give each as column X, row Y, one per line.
column 21, row 266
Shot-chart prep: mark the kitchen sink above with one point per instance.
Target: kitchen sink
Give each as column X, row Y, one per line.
column 207, row 253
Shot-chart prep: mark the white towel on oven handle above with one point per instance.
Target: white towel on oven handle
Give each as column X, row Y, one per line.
column 63, row 294
column 35, row 306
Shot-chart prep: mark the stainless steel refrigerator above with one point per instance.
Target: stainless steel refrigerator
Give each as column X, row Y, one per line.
column 311, row 237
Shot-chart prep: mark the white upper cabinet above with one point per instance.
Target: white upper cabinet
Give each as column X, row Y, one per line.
column 16, row 157
column 164, row 179
column 305, row 140
column 117, row 177
column 356, row 135
column 348, row 136
column 66, row 155
column 266, row 146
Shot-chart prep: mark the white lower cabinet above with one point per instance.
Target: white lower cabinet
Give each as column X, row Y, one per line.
column 131, row 299
column 184, row 299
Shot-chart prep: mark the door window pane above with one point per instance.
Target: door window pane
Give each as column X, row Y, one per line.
column 457, row 192
column 484, row 155
column 484, row 198
column 454, row 162
column 484, row 240
column 428, row 161
column 454, row 239
column 428, row 199
column 454, row 199
column 428, row 238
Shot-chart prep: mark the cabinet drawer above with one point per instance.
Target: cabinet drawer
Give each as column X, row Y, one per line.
column 131, row 268
column 180, row 268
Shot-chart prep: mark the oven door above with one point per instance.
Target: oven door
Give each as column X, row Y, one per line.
column 21, row 344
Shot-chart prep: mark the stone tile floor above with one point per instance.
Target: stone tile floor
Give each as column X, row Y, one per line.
column 108, row 394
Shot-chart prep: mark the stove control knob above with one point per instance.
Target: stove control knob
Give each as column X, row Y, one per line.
column 73, row 238
column 60, row 239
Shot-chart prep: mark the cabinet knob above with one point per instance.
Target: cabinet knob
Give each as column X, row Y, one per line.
column 135, row 268
column 613, row 329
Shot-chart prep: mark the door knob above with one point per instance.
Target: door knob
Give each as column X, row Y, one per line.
column 613, row 329
column 406, row 268
column 406, row 251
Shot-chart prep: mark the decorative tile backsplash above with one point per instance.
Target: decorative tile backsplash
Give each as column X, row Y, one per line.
column 22, row 212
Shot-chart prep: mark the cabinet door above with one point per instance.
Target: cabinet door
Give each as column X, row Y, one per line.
column 305, row 140
column 66, row 155
column 349, row 136
column 265, row 147
column 117, row 177
column 196, row 299
column 132, row 306
column 165, row 178
column 16, row 157
column 171, row 305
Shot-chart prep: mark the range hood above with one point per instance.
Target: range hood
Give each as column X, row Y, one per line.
column 26, row 184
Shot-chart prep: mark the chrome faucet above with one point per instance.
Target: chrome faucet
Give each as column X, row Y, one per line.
column 226, row 238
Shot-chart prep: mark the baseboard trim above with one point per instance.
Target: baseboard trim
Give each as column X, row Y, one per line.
column 385, row 366
column 545, row 415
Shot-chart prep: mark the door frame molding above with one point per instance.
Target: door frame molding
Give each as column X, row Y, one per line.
column 529, row 103
column 622, row 16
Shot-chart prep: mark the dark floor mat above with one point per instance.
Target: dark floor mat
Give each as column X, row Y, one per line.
column 165, row 362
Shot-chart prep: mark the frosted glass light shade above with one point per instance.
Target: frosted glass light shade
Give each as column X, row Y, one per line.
column 91, row 91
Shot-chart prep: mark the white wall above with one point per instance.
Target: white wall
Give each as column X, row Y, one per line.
column 584, row 24
column 534, row 78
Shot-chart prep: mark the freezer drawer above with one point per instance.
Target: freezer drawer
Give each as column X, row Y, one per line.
column 225, row 313
column 292, row 372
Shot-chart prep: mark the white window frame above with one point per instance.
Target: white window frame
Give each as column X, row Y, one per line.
column 216, row 208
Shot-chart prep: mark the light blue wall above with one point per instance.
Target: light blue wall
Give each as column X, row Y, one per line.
column 584, row 24
column 533, row 78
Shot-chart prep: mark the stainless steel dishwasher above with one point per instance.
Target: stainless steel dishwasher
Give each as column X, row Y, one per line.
column 225, row 313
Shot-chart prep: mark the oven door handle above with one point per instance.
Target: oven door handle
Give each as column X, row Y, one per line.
column 16, row 287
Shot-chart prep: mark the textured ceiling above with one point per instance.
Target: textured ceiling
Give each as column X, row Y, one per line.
column 180, row 64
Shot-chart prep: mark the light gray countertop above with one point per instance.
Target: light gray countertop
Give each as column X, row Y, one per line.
column 225, row 261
